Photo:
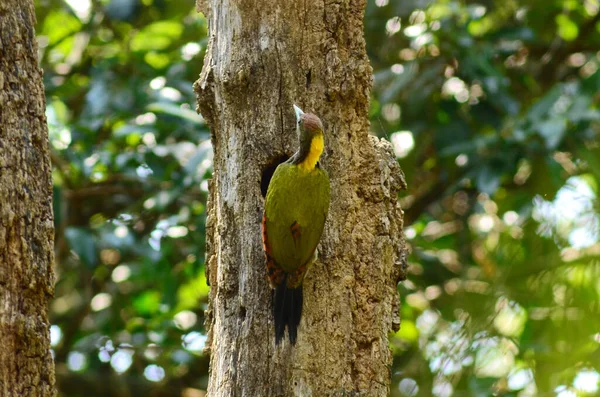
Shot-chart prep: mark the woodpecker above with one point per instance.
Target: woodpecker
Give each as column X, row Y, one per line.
column 296, row 207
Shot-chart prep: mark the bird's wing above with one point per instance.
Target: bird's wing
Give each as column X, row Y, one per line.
column 274, row 271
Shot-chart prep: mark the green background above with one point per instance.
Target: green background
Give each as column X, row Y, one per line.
column 492, row 108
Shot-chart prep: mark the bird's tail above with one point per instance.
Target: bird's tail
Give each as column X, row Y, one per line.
column 287, row 310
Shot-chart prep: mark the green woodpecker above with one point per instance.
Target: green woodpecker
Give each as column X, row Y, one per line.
column 296, row 206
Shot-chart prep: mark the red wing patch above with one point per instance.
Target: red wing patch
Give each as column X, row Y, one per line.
column 265, row 239
column 274, row 272
column 295, row 229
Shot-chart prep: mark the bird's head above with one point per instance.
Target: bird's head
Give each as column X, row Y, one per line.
column 310, row 134
column 307, row 125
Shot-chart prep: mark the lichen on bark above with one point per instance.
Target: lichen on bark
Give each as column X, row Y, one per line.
column 26, row 221
column 262, row 57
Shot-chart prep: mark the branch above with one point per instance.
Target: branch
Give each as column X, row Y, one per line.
column 558, row 54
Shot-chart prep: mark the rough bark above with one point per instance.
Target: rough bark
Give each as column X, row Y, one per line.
column 262, row 57
column 26, row 222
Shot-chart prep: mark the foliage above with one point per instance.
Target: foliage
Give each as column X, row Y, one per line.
column 495, row 105
column 492, row 108
column 131, row 158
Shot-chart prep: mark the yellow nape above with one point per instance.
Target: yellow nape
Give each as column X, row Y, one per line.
column 316, row 148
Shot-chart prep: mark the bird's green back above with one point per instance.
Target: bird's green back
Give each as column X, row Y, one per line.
column 301, row 197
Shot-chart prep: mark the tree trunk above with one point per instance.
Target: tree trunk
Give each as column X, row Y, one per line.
column 262, row 57
column 26, row 224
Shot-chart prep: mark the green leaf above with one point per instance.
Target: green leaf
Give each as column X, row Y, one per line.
column 58, row 25
column 398, row 82
column 193, row 292
column 591, row 182
column 157, row 60
column 157, row 36
column 481, row 387
column 83, row 243
column 541, row 108
column 128, row 129
column 147, row 303
column 177, row 111
column 567, row 29
column 552, row 131
column 488, row 179
column 469, row 146
column 408, row 331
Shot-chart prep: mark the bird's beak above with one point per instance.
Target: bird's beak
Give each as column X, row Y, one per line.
column 298, row 111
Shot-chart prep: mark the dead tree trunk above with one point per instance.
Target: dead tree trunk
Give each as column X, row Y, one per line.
column 26, row 224
column 262, row 57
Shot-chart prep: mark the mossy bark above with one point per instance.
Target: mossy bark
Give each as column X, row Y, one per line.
column 26, row 221
column 262, row 57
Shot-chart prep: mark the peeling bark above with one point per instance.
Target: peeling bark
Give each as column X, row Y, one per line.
column 26, row 221
column 262, row 57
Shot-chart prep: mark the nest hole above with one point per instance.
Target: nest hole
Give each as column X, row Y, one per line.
column 268, row 172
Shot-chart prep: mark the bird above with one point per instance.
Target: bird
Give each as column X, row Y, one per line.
column 296, row 207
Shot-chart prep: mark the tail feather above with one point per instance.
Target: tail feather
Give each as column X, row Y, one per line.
column 287, row 310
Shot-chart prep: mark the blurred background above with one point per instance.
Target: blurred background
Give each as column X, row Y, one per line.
column 492, row 107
